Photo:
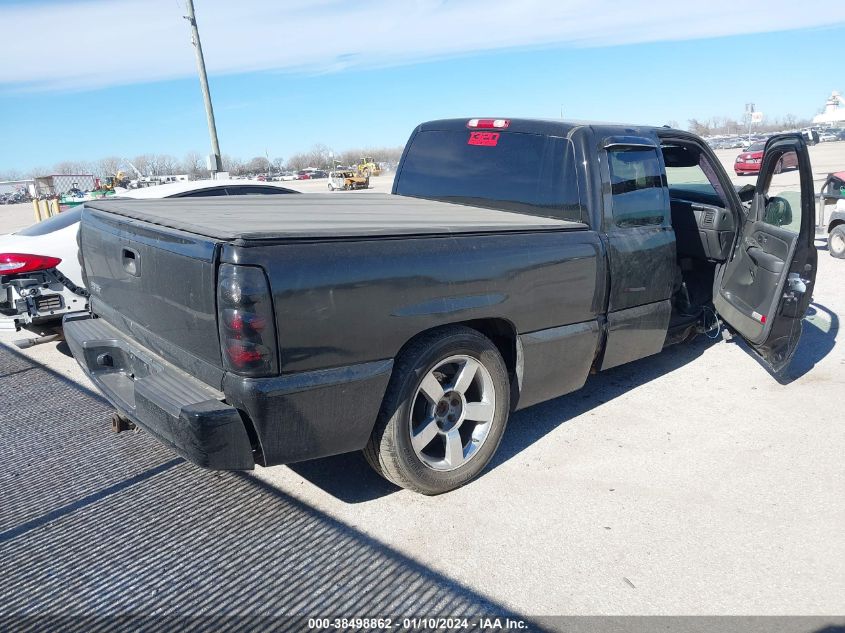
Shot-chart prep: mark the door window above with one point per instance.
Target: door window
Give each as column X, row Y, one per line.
column 637, row 187
column 697, row 182
column 782, row 200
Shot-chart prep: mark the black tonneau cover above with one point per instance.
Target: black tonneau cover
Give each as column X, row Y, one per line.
column 321, row 216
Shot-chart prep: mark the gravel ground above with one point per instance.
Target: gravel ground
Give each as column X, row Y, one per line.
column 691, row 482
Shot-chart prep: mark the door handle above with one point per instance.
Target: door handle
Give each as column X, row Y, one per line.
column 131, row 262
column 796, row 283
column 765, row 260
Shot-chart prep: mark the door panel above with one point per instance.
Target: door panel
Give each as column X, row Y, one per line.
column 641, row 270
column 636, row 333
column 764, row 289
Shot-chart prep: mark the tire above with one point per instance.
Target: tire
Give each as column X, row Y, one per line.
column 836, row 242
column 451, row 447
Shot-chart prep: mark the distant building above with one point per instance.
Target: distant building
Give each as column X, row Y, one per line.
column 59, row 184
column 834, row 110
column 14, row 186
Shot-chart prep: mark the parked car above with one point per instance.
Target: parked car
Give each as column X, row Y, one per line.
column 514, row 258
column 749, row 161
column 303, row 175
column 811, row 137
column 827, row 137
column 40, row 275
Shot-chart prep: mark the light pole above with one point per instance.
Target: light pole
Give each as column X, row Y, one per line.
column 749, row 112
column 214, row 163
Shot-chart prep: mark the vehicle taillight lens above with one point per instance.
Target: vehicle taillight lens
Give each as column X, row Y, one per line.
column 14, row 263
column 488, row 123
column 247, row 334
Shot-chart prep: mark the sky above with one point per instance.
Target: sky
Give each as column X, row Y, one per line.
column 80, row 80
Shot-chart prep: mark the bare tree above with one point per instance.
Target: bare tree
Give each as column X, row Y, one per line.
column 378, row 154
column 235, row 166
column 318, row 156
column 163, row 165
column 256, row 165
column 299, row 161
column 142, row 163
column 278, row 164
column 72, row 167
column 697, row 127
column 194, row 165
column 108, row 166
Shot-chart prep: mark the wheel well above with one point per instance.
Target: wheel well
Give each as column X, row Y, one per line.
column 500, row 331
column 503, row 335
column 834, row 224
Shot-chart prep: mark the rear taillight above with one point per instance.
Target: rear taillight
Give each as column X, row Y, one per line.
column 247, row 333
column 14, row 263
column 488, row 123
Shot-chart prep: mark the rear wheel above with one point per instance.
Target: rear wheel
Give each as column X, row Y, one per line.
column 444, row 412
column 836, row 242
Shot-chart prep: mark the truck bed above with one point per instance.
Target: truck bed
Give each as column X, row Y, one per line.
column 246, row 218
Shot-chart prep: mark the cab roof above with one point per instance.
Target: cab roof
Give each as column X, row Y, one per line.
column 551, row 127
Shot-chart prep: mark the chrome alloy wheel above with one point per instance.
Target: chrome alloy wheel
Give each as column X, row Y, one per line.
column 452, row 412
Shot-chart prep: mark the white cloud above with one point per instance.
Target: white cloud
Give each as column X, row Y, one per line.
column 94, row 43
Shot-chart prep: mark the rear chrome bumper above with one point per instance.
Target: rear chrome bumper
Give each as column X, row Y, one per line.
column 176, row 408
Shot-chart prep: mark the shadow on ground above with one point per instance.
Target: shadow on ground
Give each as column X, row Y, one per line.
column 350, row 479
column 101, row 524
column 818, row 337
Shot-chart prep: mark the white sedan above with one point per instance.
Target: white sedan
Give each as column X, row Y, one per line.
column 40, row 272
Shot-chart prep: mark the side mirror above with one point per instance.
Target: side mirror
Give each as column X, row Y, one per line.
column 778, row 212
column 746, row 193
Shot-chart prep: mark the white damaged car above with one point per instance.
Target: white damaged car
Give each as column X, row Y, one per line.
column 40, row 273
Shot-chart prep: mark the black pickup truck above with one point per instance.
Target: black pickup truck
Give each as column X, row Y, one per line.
column 513, row 258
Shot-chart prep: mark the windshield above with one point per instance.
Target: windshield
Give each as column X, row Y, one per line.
column 56, row 223
column 756, row 147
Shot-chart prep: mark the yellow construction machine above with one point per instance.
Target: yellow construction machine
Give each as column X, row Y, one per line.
column 368, row 167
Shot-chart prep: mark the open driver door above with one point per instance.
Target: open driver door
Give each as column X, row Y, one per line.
column 763, row 291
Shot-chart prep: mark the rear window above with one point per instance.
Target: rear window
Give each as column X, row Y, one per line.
column 509, row 171
column 202, row 193
column 256, row 190
column 55, row 223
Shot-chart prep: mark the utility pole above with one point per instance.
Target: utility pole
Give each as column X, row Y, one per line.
column 214, row 162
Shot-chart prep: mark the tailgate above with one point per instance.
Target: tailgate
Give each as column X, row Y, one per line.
column 157, row 285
